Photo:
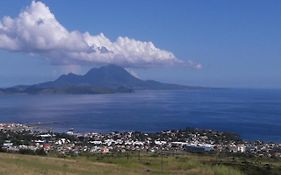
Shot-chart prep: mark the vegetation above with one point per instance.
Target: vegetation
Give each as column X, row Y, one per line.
column 135, row 164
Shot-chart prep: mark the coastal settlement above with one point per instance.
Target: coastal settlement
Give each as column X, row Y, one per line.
column 20, row 138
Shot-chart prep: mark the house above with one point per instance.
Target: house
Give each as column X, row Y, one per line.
column 8, row 144
column 104, row 150
column 241, row 148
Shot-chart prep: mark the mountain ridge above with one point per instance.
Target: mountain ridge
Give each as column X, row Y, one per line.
column 106, row 79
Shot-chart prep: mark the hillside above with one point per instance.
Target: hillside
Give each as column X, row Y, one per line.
column 13, row 164
column 137, row 164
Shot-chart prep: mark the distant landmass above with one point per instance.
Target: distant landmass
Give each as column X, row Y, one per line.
column 106, row 79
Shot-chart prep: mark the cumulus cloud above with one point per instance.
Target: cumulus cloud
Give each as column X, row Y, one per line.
column 36, row 31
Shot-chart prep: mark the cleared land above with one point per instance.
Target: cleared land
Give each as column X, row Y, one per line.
column 17, row 164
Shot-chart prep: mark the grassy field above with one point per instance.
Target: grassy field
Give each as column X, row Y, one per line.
column 16, row 164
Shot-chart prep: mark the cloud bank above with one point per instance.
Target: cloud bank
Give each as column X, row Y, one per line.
column 36, row 31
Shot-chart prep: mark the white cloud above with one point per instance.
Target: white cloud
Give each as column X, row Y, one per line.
column 36, row 31
column 133, row 73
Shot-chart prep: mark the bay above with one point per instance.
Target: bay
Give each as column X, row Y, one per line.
column 254, row 114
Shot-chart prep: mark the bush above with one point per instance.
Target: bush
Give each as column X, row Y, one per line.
column 40, row 152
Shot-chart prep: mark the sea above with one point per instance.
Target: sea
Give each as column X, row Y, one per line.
column 254, row 114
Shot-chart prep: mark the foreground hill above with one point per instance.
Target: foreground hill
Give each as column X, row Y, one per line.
column 14, row 164
column 106, row 79
column 138, row 164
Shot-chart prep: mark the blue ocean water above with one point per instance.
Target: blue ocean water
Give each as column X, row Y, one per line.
column 254, row 114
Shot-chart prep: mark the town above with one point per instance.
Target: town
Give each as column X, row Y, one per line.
column 21, row 138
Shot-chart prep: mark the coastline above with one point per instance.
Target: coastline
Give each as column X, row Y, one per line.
column 17, row 137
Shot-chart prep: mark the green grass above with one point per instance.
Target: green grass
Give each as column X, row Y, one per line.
column 123, row 164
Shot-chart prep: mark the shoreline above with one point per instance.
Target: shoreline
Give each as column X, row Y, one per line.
column 44, row 126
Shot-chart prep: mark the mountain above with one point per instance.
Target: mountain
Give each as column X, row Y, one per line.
column 106, row 79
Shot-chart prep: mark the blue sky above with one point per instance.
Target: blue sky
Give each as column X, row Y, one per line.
column 238, row 43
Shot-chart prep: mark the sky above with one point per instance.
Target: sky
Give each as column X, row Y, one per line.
column 213, row 43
